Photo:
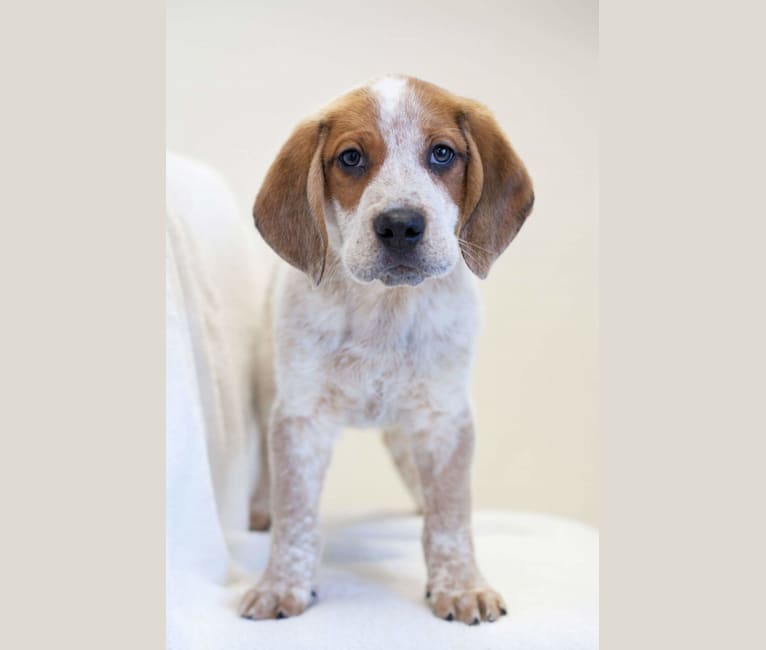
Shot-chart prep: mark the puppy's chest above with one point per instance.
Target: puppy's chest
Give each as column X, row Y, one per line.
column 376, row 374
column 368, row 387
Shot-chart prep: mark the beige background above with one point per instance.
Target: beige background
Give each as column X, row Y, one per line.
column 241, row 74
column 682, row 562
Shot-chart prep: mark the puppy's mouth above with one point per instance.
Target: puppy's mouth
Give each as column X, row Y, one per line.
column 402, row 274
column 407, row 270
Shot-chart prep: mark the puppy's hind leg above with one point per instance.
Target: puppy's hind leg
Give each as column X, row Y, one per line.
column 400, row 446
column 260, row 502
column 263, row 403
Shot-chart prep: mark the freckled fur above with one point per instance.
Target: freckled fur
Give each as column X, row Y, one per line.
column 348, row 350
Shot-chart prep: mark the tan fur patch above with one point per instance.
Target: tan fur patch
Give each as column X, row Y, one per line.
column 496, row 193
column 351, row 122
column 439, row 124
column 289, row 208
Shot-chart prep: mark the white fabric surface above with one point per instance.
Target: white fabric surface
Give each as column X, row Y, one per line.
column 372, row 577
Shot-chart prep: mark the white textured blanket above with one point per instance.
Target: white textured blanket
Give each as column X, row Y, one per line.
column 372, row 577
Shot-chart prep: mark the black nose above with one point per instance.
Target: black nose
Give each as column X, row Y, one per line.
column 399, row 230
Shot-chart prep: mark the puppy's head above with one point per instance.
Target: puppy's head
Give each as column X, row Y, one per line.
column 397, row 179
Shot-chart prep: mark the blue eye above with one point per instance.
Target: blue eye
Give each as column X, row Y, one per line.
column 441, row 155
column 350, row 158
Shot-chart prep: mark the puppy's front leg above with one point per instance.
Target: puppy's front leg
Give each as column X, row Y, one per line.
column 456, row 588
column 299, row 451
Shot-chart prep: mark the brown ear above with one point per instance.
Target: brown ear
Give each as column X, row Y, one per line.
column 498, row 191
column 289, row 208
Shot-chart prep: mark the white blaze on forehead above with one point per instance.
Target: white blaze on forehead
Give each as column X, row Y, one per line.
column 403, row 179
column 389, row 92
column 398, row 113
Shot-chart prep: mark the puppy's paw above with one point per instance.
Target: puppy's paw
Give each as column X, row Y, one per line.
column 470, row 605
column 275, row 601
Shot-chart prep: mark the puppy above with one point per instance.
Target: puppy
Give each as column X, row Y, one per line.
column 386, row 205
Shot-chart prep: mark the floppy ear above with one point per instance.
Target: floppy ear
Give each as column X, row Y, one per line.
column 498, row 191
column 289, row 208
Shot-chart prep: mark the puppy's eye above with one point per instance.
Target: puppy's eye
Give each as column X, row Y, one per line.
column 441, row 155
column 350, row 158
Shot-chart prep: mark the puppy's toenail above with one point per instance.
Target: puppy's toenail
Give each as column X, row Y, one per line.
column 313, row 593
column 503, row 612
column 428, row 594
column 490, row 618
column 449, row 617
column 475, row 621
column 281, row 614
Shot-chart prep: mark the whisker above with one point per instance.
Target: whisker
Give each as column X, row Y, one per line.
column 476, row 246
column 470, row 256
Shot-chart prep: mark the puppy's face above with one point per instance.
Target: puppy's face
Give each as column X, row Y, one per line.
column 397, row 179
column 395, row 170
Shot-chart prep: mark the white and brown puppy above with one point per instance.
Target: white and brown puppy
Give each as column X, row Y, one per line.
column 385, row 205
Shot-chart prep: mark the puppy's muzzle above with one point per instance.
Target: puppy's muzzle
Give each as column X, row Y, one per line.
column 399, row 230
